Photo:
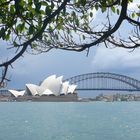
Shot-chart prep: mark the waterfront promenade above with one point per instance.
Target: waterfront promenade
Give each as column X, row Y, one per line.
column 72, row 98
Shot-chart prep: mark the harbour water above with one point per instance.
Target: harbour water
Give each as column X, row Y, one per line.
column 70, row 121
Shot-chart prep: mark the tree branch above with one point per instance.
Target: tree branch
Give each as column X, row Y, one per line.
column 27, row 43
column 137, row 23
column 122, row 17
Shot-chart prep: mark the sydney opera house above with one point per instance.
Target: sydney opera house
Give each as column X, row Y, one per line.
column 51, row 89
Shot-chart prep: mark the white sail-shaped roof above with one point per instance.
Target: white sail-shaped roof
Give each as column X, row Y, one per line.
column 40, row 90
column 64, row 89
column 48, row 80
column 17, row 93
column 60, row 78
column 55, row 85
column 22, row 92
column 47, row 92
column 32, row 89
column 72, row 88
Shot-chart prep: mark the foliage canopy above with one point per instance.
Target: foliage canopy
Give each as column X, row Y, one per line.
column 74, row 25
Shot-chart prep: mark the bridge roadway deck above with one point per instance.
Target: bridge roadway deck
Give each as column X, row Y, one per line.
column 108, row 89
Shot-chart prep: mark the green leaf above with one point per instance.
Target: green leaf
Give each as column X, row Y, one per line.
column 68, row 30
column 96, row 7
column 52, row 4
column 103, row 9
column 15, row 44
column 48, row 10
column 31, row 29
column 44, row 3
column 138, row 14
column 133, row 15
column 33, row 45
column 36, row 2
column 83, row 2
column 12, row 9
column 42, row 12
column 30, row 2
column 59, row 26
column 77, row 21
column 113, row 9
column 50, row 29
column 20, row 27
column 38, row 6
column 56, row 36
column 83, row 37
column 91, row 14
column 118, row 11
column 73, row 14
column 7, row 37
column 2, row 33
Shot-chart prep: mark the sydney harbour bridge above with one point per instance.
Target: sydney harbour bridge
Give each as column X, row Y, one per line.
column 105, row 81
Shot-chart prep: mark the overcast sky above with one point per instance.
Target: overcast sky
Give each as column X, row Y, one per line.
column 34, row 68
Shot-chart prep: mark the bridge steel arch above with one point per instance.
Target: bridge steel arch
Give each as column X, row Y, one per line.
column 133, row 83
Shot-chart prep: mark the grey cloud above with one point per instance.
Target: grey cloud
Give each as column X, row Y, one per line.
column 117, row 60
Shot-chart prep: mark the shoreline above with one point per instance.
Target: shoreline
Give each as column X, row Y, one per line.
column 55, row 99
column 28, row 98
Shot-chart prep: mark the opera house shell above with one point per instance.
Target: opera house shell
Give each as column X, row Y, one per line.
column 51, row 86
